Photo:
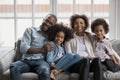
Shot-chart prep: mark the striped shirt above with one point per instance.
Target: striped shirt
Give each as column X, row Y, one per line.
column 103, row 48
column 33, row 38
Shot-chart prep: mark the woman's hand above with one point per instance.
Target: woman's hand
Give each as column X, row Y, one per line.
column 91, row 58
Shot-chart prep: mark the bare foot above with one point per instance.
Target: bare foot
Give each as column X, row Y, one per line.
column 58, row 71
column 53, row 73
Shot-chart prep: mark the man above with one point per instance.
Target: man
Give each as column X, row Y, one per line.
column 34, row 48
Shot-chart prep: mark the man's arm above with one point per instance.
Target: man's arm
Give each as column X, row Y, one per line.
column 48, row 47
column 25, row 46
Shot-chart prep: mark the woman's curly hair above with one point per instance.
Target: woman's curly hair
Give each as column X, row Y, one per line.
column 76, row 16
column 69, row 34
column 100, row 21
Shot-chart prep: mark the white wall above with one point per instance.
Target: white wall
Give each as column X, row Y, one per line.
column 114, row 19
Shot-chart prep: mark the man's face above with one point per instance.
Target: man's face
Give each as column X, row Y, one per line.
column 48, row 22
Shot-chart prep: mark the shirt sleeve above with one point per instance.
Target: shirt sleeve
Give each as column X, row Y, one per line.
column 50, row 56
column 109, row 48
column 26, row 40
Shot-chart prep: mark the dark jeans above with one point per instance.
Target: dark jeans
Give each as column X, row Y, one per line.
column 84, row 66
column 110, row 65
column 81, row 67
column 41, row 67
column 97, row 69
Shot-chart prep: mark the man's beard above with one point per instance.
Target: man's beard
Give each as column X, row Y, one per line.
column 44, row 30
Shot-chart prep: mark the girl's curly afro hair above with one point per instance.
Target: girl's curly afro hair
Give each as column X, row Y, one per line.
column 59, row 27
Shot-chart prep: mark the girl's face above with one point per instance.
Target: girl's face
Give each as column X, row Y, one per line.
column 59, row 38
column 79, row 25
column 99, row 32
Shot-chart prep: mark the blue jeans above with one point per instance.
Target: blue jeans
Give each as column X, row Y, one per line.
column 41, row 67
column 67, row 61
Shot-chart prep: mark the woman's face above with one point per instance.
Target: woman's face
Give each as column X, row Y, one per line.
column 79, row 25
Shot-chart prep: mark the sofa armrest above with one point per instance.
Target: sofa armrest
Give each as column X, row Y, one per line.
column 6, row 60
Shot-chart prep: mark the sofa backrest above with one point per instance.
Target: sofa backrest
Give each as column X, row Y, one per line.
column 18, row 55
column 116, row 46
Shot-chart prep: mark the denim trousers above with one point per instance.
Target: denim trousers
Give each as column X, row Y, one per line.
column 41, row 67
column 67, row 61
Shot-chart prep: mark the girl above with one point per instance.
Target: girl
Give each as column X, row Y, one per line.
column 58, row 59
column 102, row 46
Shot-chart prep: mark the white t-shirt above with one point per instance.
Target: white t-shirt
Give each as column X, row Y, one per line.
column 82, row 50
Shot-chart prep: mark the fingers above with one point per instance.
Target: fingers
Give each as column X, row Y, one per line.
column 52, row 76
column 49, row 47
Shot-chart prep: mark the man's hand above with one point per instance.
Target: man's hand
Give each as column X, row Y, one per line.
column 48, row 47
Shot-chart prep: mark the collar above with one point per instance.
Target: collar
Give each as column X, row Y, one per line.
column 38, row 28
column 100, row 40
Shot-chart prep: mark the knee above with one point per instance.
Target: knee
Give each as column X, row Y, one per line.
column 86, row 61
column 14, row 67
column 97, row 61
column 45, row 69
column 77, row 57
column 69, row 55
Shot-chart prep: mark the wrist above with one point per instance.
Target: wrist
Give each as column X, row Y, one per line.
column 42, row 50
column 52, row 63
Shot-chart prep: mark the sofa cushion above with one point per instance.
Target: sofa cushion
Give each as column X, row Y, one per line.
column 63, row 76
column 108, row 75
column 24, row 76
column 75, row 76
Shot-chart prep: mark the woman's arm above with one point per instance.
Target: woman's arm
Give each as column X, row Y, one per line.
column 68, row 48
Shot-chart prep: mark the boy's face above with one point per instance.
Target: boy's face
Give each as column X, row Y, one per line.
column 99, row 32
column 59, row 38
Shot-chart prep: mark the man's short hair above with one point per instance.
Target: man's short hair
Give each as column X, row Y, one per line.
column 52, row 16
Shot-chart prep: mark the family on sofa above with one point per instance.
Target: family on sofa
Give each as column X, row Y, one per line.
column 72, row 49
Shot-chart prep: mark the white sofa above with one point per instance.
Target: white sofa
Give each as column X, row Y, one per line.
column 9, row 55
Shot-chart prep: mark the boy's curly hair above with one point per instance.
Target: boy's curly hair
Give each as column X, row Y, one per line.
column 100, row 21
column 69, row 34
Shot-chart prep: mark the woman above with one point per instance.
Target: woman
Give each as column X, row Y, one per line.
column 81, row 44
